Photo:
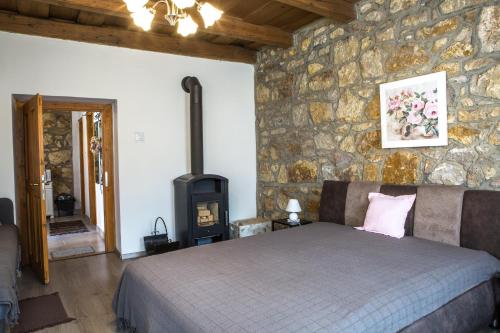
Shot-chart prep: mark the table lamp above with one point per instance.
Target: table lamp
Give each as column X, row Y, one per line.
column 293, row 208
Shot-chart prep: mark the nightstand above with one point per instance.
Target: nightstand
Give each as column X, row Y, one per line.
column 283, row 223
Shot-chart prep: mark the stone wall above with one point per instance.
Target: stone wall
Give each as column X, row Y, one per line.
column 318, row 109
column 57, row 137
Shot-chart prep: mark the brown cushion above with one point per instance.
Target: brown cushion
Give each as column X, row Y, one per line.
column 438, row 213
column 357, row 202
column 396, row 190
column 481, row 221
column 332, row 205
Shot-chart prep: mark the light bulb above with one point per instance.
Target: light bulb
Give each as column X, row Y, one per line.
column 134, row 6
column 143, row 18
column 181, row 4
column 209, row 13
column 187, row 26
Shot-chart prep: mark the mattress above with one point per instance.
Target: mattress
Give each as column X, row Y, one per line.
column 321, row 277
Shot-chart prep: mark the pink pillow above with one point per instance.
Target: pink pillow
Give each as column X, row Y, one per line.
column 387, row 214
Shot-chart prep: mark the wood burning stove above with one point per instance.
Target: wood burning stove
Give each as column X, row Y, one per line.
column 201, row 209
column 201, row 201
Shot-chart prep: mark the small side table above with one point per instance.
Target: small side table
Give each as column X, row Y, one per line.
column 286, row 224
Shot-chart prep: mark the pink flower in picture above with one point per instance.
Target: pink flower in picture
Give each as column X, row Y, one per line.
column 431, row 110
column 417, row 105
column 414, row 118
column 407, row 93
column 394, row 103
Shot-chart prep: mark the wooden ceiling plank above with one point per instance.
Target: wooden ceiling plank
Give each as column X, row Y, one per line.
column 294, row 18
column 267, row 13
column 239, row 8
column 10, row 5
column 229, row 5
column 227, row 26
column 123, row 38
column 299, row 23
column 339, row 10
column 33, row 8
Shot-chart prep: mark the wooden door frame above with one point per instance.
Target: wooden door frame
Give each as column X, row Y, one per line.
column 91, row 168
column 109, row 178
column 82, row 167
column 108, row 165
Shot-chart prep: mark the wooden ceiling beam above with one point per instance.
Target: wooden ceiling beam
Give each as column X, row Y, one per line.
column 232, row 27
column 339, row 10
column 90, row 18
column 9, row 5
column 227, row 26
column 124, row 38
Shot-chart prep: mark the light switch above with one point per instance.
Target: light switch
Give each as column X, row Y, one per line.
column 139, row 137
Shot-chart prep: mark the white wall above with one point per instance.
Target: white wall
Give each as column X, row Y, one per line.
column 149, row 97
column 76, row 159
column 99, row 207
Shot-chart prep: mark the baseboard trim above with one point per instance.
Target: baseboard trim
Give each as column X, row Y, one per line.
column 132, row 255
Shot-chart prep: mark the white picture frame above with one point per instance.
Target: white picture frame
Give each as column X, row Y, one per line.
column 414, row 112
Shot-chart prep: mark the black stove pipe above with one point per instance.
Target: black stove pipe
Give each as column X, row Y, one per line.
column 191, row 85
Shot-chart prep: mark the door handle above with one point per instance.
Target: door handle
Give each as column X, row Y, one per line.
column 106, row 179
column 42, row 190
column 35, row 184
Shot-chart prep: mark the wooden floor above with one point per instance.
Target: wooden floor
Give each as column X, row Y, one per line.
column 86, row 286
column 69, row 241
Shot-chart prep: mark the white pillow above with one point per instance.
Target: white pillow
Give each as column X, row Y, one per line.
column 387, row 214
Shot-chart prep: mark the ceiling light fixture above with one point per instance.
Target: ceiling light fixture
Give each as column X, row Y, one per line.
column 143, row 15
column 143, row 18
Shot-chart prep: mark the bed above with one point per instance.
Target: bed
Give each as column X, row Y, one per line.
column 323, row 277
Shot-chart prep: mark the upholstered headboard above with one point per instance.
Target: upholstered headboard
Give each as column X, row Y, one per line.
column 448, row 214
column 6, row 211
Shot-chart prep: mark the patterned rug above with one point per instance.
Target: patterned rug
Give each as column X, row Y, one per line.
column 76, row 251
column 64, row 228
column 41, row 312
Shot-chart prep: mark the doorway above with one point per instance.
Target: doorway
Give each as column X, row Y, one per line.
column 73, row 177
column 68, row 146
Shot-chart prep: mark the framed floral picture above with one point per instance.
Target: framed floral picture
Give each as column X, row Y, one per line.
column 414, row 112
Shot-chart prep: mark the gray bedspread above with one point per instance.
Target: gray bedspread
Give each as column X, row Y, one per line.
column 8, row 270
column 321, row 277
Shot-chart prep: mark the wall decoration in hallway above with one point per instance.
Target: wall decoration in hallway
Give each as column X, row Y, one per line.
column 95, row 145
column 414, row 112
